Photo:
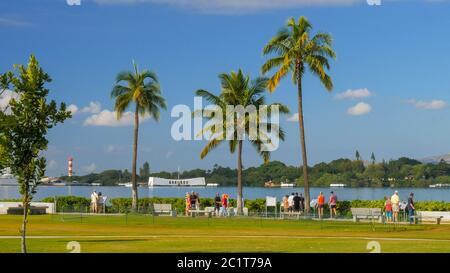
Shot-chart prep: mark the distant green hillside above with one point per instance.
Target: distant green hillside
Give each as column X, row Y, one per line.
column 403, row 172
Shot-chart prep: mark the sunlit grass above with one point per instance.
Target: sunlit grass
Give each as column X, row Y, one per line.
column 143, row 233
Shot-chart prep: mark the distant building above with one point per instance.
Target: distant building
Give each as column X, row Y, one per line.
column 338, row 185
column 163, row 182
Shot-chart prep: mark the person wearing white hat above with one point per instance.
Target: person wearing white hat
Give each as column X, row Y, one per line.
column 395, row 200
column 94, row 202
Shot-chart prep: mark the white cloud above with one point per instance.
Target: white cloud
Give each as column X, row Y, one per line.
column 355, row 94
column 234, row 6
column 72, row 108
column 94, row 107
column 109, row 119
column 5, row 97
column 428, row 105
column 90, row 168
column 13, row 22
column 293, row 118
column 359, row 109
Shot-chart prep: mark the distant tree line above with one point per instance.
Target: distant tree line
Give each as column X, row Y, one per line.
column 402, row 172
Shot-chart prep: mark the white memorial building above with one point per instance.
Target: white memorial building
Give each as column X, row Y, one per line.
column 163, row 182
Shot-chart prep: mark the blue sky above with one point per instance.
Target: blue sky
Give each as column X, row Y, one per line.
column 392, row 63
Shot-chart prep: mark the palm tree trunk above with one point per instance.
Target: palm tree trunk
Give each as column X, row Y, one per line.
column 240, row 210
column 303, row 144
column 134, row 191
column 24, row 224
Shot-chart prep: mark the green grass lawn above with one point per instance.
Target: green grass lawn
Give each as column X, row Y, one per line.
column 138, row 233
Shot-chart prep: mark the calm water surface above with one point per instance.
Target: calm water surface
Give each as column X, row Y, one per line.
column 421, row 194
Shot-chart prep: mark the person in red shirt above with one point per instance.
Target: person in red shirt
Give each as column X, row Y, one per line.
column 320, row 204
column 224, row 204
column 388, row 208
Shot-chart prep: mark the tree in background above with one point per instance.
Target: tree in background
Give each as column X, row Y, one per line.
column 358, row 156
column 297, row 50
column 141, row 89
column 24, row 129
column 239, row 91
column 144, row 172
column 372, row 157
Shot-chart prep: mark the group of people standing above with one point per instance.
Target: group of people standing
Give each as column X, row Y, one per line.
column 221, row 204
column 296, row 203
column 332, row 203
column 97, row 202
column 392, row 207
column 192, row 201
column 293, row 203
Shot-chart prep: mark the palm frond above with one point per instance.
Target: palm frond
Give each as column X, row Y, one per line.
column 209, row 147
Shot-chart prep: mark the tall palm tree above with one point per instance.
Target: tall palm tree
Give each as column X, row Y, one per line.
column 142, row 89
column 295, row 50
column 238, row 90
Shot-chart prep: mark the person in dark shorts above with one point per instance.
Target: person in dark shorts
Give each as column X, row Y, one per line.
column 296, row 202
column 217, row 204
column 320, row 204
column 333, row 203
column 302, row 203
column 193, row 201
column 411, row 208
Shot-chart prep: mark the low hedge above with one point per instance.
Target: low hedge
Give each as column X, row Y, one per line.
column 76, row 203
column 69, row 203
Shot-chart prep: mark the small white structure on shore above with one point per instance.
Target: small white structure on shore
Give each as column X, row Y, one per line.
column 440, row 186
column 163, row 182
column 338, row 185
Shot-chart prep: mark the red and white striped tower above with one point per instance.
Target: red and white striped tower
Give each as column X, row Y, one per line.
column 69, row 166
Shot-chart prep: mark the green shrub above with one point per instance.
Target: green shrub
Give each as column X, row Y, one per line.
column 69, row 203
column 122, row 205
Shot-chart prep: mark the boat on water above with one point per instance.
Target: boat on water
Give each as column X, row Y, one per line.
column 8, row 182
column 6, row 178
column 212, row 185
column 438, row 186
column 271, row 184
column 338, row 185
column 57, row 183
column 163, row 182
column 287, row 185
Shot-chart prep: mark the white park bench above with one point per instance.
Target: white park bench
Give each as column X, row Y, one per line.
column 435, row 216
column 195, row 212
column 291, row 214
column 233, row 211
column 163, row 209
column 367, row 213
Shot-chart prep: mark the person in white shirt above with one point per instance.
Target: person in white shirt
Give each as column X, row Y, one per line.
column 291, row 202
column 395, row 201
column 94, row 202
